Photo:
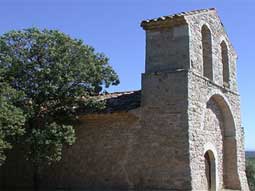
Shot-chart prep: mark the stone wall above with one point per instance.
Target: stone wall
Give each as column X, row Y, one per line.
column 164, row 135
column 167, row 49
column 211, row 20
column 201, row 115
column 143, row 149
column 101, row 158
column 209, row 125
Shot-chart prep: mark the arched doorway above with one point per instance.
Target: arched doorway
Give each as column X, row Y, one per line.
column 219, row 105
column 210, row 170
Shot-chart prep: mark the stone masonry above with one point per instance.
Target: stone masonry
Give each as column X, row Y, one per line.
column 181, row 132
column 194, row 51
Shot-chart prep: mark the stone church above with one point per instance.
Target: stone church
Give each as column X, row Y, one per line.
column 181, row 132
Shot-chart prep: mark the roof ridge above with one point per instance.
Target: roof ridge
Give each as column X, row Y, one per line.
column 185, row 13
column 120, row 92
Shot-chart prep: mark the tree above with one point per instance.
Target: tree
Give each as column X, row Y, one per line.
column 58, row 76
column 11, row 119
column 250, row 172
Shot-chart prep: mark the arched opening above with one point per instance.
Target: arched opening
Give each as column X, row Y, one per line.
column 207, row 52
column 229, row 148
column 225, row 63
column 210, row 170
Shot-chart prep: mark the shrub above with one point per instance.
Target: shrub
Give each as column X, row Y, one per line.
column 250, row 172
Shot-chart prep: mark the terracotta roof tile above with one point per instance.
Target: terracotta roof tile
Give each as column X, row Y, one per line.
column 178, row 15
column 122, row 101
column 116, row 102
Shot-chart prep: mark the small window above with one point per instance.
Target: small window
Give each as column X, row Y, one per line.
column 207, row 52
column 225, row 63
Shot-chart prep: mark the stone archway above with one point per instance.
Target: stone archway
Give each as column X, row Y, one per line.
column 210, row 170
column 229, row 147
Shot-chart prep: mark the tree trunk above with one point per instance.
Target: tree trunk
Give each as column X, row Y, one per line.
column 36, row 178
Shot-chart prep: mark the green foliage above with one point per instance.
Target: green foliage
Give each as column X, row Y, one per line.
column 250, row 172
column 58, row 76
column 11, row 119
column 48, row 142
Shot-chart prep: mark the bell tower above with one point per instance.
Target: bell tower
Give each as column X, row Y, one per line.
column 191, row 136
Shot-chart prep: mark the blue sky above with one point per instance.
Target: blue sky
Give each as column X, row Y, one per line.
column 113, row 27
